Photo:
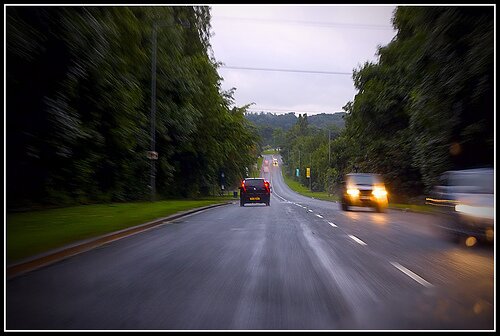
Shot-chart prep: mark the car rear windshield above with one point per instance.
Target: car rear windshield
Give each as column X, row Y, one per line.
column 364, row 179
column 255, row 183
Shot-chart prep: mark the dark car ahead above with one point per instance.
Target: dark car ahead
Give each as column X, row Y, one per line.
column 255, row 190
column 466, row 200
column 364, row 190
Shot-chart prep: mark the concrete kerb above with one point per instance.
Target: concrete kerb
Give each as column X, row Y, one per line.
column 50, row 257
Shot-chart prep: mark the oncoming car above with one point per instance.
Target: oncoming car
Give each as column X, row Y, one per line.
column 275, row 162
column 255, row 190
column 364, row 190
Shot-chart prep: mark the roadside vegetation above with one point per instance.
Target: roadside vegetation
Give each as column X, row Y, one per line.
column 424, row 108
column 79, row 104
column 33, row 232
column 303, row 190
column 270, row 151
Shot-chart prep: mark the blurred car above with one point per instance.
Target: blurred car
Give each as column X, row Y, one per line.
column 255, row 190
column 275, row 162
column 364, row 190
column 466, row 199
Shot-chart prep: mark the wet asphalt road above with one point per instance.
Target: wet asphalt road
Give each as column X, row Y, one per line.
column 300, row 264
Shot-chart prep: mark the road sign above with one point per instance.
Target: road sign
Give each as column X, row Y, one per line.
column 308, row 172
column 152, row 155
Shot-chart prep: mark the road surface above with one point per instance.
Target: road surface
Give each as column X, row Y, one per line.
column 299, row 264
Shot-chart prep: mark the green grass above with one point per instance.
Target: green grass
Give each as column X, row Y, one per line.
column 414, row 207
column 299, row 188
column 259, row 165
column 270, row 151
column 33, row 232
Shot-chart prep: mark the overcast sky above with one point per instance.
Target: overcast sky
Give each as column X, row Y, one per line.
column 322, row 38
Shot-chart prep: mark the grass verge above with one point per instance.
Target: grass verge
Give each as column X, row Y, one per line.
column 259, row 166
column 300, row 189
column 414, row 207
column 34, row 232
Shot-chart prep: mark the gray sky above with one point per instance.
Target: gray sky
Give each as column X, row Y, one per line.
column 324, row 38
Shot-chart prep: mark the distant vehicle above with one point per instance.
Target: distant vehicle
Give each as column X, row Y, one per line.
column 266, row 162
column 255, row 190
column 466, row 199
column 275, row 162
column 365, row 190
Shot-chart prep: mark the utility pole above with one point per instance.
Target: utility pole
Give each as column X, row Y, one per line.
column 329, row 155
column 153, row 114
column 329, row 149
column 153, row 155
column 299, row 160
column 310, row 170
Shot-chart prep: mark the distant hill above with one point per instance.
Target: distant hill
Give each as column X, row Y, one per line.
column 267, row 122
column 262, row 119
column 324, row 120
column 286, row 121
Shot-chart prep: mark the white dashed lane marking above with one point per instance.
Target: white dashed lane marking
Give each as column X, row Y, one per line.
column 357, row 240
column 412, row 275
column 403, row 269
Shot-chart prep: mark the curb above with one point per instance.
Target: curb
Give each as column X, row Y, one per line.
column 50, row 257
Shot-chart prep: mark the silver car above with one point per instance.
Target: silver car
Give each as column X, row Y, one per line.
column 466, row 198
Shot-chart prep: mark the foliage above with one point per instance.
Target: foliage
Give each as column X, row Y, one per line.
column 79, row 101
column 272, row 126
column 425, row 107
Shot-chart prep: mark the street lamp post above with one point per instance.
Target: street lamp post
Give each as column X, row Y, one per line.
column 327, row 172
column 153, row 114
column 310, row 174
column 153, row 155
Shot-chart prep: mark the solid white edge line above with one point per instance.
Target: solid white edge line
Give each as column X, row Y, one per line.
column 411, row 274
column 357, row 240
column 280, row 197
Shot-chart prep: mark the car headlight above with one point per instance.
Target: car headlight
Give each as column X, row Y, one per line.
column 353, row 192
column 379, row 192
column 475, row 211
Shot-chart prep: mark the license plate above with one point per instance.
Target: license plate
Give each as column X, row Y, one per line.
column 254, row 198
column 365, row 197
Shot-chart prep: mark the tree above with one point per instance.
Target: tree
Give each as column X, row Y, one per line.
column 79, row 100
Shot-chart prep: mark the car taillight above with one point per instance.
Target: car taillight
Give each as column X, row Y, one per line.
column 243, row 186
column 266, row 184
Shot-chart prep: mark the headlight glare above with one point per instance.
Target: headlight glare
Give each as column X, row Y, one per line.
column 475, row 211
column 353, row 192
column 379, row 192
